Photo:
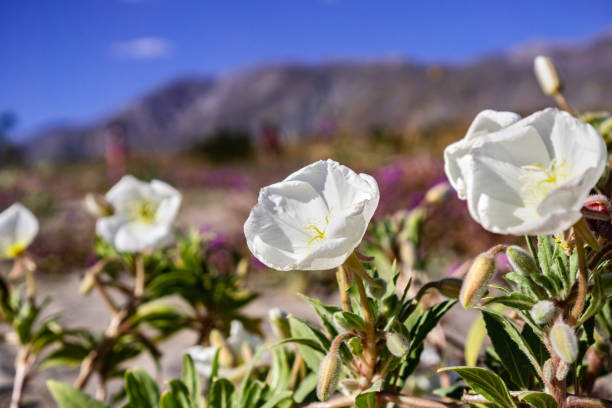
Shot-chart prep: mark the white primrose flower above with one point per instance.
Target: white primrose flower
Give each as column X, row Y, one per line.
column 239, row 337
column 142, row 215
column 528, row 176
column 18, row 228
column 312, row 220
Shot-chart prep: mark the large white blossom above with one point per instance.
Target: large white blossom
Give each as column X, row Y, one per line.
column 142, row 217
column 528, row 176
column 18, row 228
column 312, row 220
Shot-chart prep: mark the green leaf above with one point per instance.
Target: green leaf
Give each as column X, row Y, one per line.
column 306, row 387
column 514, row 361
column 538, row 399
column 539, row 349
column 515, row 335
column 66, row 396
column 278, row 399
column 191, row 379
column 427, row 322
column 474, row 340
column 303, row 330
column 177, row 396
column 487, row 383
column 515, row 300
column 142, row 392
column 366, row 400
column 220, row 395
column 325, row 313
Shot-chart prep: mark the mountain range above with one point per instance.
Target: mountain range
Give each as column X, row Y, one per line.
column 353, row 96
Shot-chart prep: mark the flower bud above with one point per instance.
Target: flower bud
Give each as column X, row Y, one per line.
column 226, row 357
column 438, row 194
column 547, row 75
column 543, row 311
column 378, row 289
column 449, row 287
column 562, row 370
column 96, row 205
column 329, row 374
column 397, row 344
column 476, row 281
column 280, row 323
column 391, row 303
column 564, row 342
column 521, row 261
column 548, row 370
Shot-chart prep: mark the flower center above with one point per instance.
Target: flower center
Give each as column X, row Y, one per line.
column 539, row 181
column 144, row 212
column 317, row 229
column 15, row 250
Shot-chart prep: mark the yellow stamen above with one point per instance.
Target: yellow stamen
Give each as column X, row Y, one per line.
column 15, row 250
column 540, row 180
column 320, row 233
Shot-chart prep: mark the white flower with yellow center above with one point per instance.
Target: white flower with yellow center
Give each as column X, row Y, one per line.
column 142, row 217
column 528, row 176
column 312, row 220
column 18, row 228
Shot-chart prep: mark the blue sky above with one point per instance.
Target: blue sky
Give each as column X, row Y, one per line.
column 78, row 60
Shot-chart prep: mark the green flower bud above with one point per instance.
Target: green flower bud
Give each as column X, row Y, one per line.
column 390, row 304
column 547, row 75
column 378, row 289
column 476, row 281
column 397, row 344
column 329, row 374
column 280, row 323
column 543, row 311
column 521, row 261
column 564, row 342
column 449, row 287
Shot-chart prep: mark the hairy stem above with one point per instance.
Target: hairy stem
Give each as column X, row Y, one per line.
column 370, row 332
column 22, row 366
column 582, row 283
column 343, row 287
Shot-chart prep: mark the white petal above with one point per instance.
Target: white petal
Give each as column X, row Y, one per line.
column 107, row 227
column 486, row 122
column 127, row 190
column 170, row 201
column 134, row 237
column 203, row 358
column 18, row 227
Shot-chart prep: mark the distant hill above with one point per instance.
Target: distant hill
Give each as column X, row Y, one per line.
column 354, row 96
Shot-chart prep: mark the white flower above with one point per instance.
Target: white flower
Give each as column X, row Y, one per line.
column 528, row 176
column 143, row 215
column 312, row 220
column 18, row 228
column 203, row 356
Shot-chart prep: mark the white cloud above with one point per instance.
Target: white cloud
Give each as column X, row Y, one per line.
column 141, row 48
